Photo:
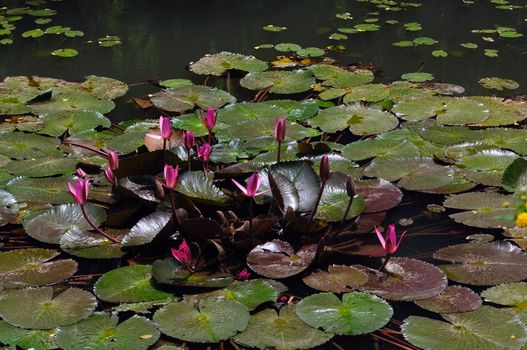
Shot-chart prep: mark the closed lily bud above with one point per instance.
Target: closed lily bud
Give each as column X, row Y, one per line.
column 160, row 191
column 113, row 160
column 171, row 176
column 350, row 186
column 108, row 173
column 209, row 119
column 81, row 173
column 324, row 169
column 204, row 152
column 188, row 138
column 79, row 191
column 279, row 129
column 165, row 127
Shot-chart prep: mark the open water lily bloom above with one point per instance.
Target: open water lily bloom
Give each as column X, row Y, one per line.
column 80, row 190
column 389, row 243
column 253, row 184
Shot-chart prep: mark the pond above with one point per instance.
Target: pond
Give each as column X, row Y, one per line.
column 308, row 128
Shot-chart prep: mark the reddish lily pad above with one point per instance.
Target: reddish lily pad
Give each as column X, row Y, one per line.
column 338, row 279
column 452, row 299
column 278, row 259
column 406, row 279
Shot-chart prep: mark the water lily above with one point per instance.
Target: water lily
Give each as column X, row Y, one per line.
column 188, row 138
column 203, row 156
column 81, row 173
column 521, row 220
column 389, row 243
column 325, row 174
column 279, row 134
column 165, row 129
column 243, row 275
column 110, row 176
column 253, row 184
column 183, row 254
column 171, row 176
column 209, row 120
column 113, row 160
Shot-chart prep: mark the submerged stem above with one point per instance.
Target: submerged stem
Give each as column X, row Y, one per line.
column 251, row 235
column 101, row 232
column 348, row 208
column 381, row 269
column 88, row 147
column 278, row 151
column 173, row 206
column 312, row 216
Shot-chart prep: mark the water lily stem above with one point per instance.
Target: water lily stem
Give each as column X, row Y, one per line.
column 205, row 167
column 278, row 151
column 188, row 160
column 381, row 269
column 312, row 216
column 101, row 232
column 164, row 144
column 228, row 81
column 88, row 147
column 348, row 208
column 173, row 205
column 210, row 138
column 251, row 234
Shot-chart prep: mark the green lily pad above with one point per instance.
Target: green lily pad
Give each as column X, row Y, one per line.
column 511, row 294
column 500, row 84
column 65, row 53
column 253, row 129
column 20, row 145
column 515, row 176
column 503, row 112
column 63, row 102
column 279, row 82
column 49, row 226
column 484, row 264
column 424, row 40
column 310, row 52
column 467, row 330
column 102, row 332
column 200, row 189
column 416, row 174
column 491, row 53
column 450, row 135
column 53, row 190
column 170, row 271
column 41, row 167
column 462, row 111
column 104, row 88
column 55, row 124
column 219, row 63
column 273, row 28
column 31, row 267
column 404, row 43
column 483, row 209
column 216, row 319
column 334, row 201
column 34, row 33
column 41, row 12
column 338, row 279
column 146, row 229
column 439, row 53
column 245, row 111
column 36, row 339
column 416, row 109
column 287, row 47
column 295, row 110
column 367, row 93
column 92, row 245
column 470, row 45
column 39, row 308
column 340, row 78
column 187, row 97
column 284, row 331
column 405, row 279
column 380, row 148
column 418, row 77
column 452, row 299
column 357, row 313
column 129, row 284
column 489, row 160
column 174, row 83
column 359, row 119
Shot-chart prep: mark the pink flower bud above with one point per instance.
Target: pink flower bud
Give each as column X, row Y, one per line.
column 183, row 254
column 389, row 244
column 279, row 129
column 165, row 127
column 171, row 176
column 209, row 120
column 188, row 138
column 81, row 173
column 324, row 168
column 108, row 173
column 113, row 160
column 80, row 190
column 243, row 275
column 204, row 152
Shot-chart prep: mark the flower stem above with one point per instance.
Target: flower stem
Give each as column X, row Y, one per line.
column 251, row 234
column 87, row 147
column 173, row 206
column 278, row 151
column 101, row 232
column 381, row 269
column 164, row 144
column 210, row 137
column 188, row 160
column 312, row 216
column 348, row 208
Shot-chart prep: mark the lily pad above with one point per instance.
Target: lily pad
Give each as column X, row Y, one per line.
column 484, row 264
column 219, row 63
column 338, row 279
column 129, row 284
column 500, row 84
column 334, row 201
column 467, row 330
column 146, row 229
column 246, row 111
column 41, row 167
column 405, row 279
column 511, row 294
column 279, row 82
column 49, row 226
column 187, row 97
column 339, row 77
column 380, row 148
column 278, row 259
column 200, row 189
column 357, row 313
column 283, row 331
column 170, row 271
column 450, row 135
column 39, row 308
column 71, row 101
column 91, row 245
column 418, row 108
column 65, row 52
column 462, row 111
column 36, row 339
column 452, row 299
column 216, row 319
column 378, row 194
column 55, row 124
column 502, row 112
column 515, row 176
column 22, row 146
column 102, row 332
column 31, row 267
column 417, row 77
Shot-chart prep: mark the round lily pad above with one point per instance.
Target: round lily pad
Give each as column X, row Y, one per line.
column 71, row 101
column 340, row 78
column 484, row 264
column 216, row 319
column 450, row 135
column 338, row 279
column 334, row 201
column 405, row 279
column 104, row 88
column 102, row 332
column 19, row 145
column 39, row 308
column 279, row 82
column 283, row 331
column 186, row 97
column 463, row 111
column 483, row 209
column 452, row 299
column 55, row 124
column 506, row 112
column 53, row 190
column 485, row 328
column 219, row 63
column 31, row 267
column 65, row 52
column 510, row 294
column 92, row 245
column 37, row 339
column 129, row 284
column 49, row 226
column 170, row 271
column 239, row 112
column 357, row 313
column 500, row 84
column 367, row 93
column 41, row 167
column 380, row 148
column 417, row 77
column 277, row 259
column 418, row 108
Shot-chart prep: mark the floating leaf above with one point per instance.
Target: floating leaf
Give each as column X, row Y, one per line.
column 450, row 135
column 340, row 78
column 511, row 294
column 35, row 339
column 416, row 109
column 55, row 124
column 65, row 53
column 334, row 201
column 219, row 63
column 200, row 188
column 496, row 83
column 63, row 102
column 146, row 229
column 104, row 88
column 515, row 176
column 188, row 96
column 217, row 319
column 405, row 279
column 31, row 267
column 39, row 308
column 338, row 279
column 467, row 330
column 92, row 245
column 439, row 53
column 101, row 332
column 20, row 145
column 284, row 331
column 34, row 33
column 279, row 82
column 469, row 45
column 273, row 28
column 357, row 313
column 484, row 264
column 379, row 148
column 170, row 271
column 379, row 195
column 278, row 259
column 424, row 40
column 129, row 284
column 452, row 299
column 310, row 52
column 417, row 77
column 462, row 111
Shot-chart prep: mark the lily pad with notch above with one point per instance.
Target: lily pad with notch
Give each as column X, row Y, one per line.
column 337, row 279
column 186, row 97
column 219, row 63
column 453, row 299
column 37, row 339
column 279, row 82
column 146, row 229
column 20, row 145
column 510, row 294
column 201, row 189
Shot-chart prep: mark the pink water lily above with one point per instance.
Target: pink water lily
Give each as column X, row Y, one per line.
column 183, row 254
column 188, row 138
column 389, row 244
column 171, row 176
column 113, row 160
column 165, row 127
column 324, row 168
column 209, row 119
column 81, row 173
column 204, row 152
column 252, row 186
column 110, row 176
column 279, row 129
column 80, row 190
column 243, row 275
